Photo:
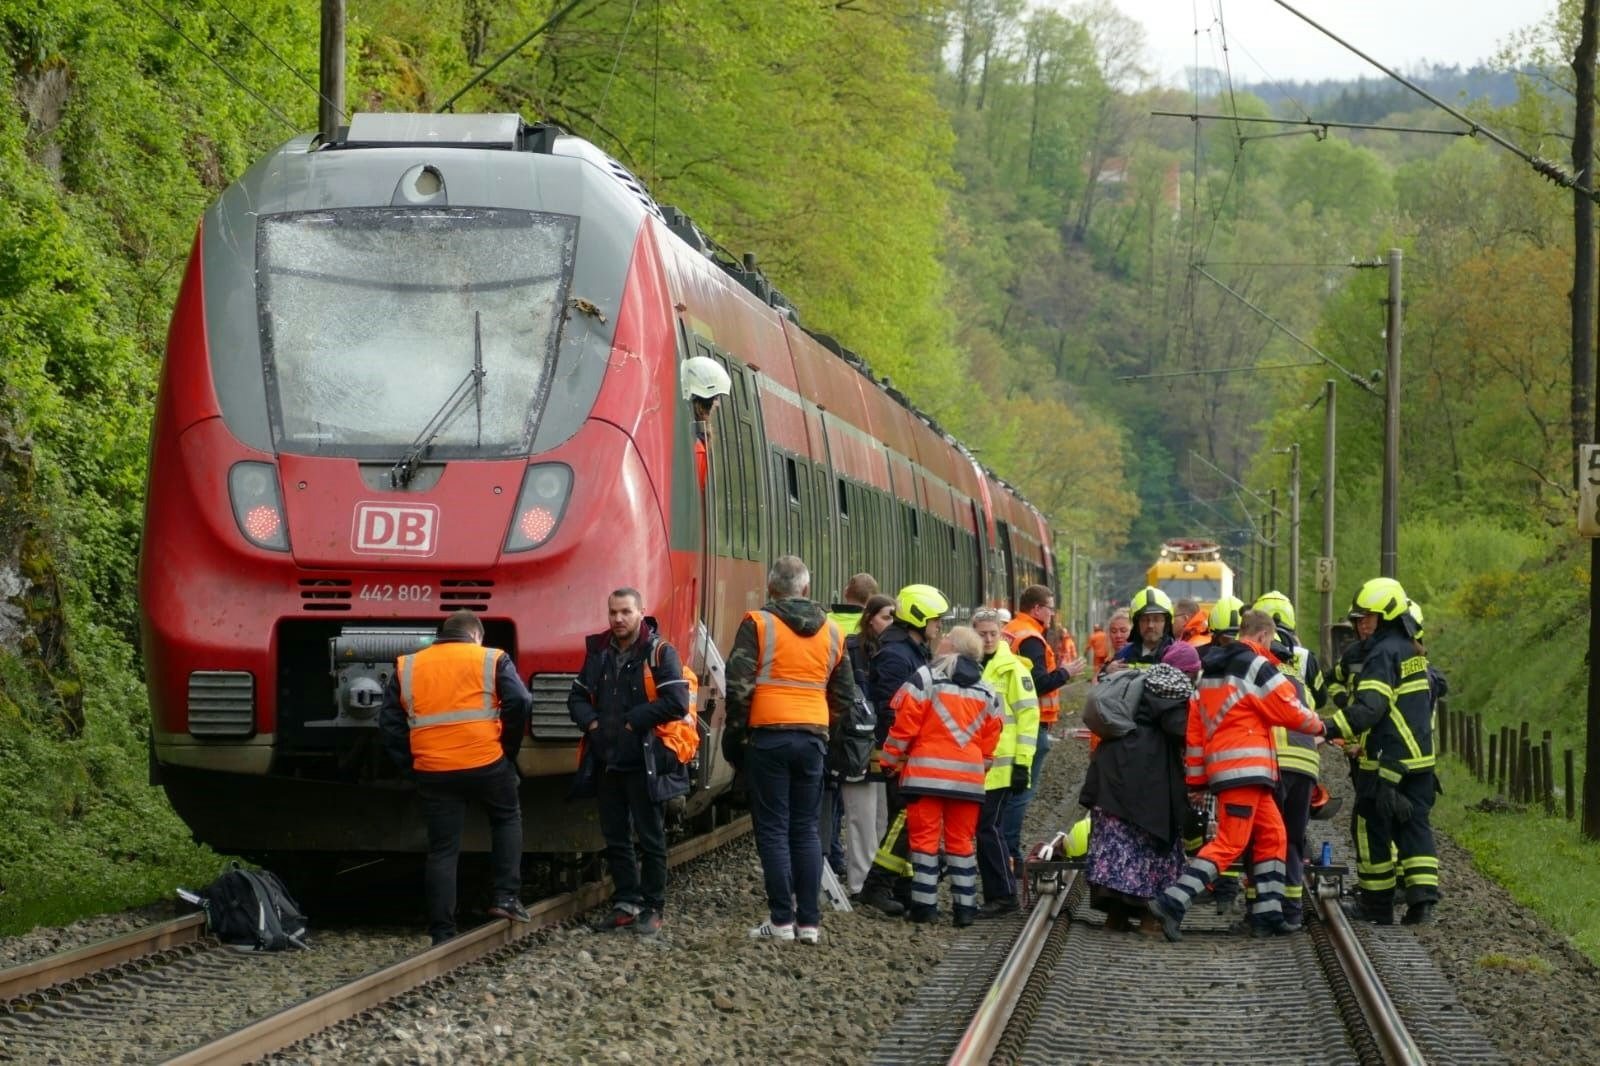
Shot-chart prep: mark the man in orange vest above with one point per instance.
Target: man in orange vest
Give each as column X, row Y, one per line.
column 789, row 686
column 453, row 716
column 1240, row 697
column 1099, row 647
column 946, row 725
column 618, row 707
column 1025, row 634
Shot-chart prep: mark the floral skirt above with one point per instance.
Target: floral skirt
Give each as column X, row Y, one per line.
column 1125, row 861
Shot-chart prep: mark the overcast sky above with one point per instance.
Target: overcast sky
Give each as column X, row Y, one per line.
column 1266, row 42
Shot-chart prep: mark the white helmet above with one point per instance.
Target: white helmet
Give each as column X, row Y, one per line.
column 705, row 378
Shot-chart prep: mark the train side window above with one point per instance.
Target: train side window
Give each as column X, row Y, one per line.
column 805, row 515
column 822, row 580
column 727, row 482
column 792, row 479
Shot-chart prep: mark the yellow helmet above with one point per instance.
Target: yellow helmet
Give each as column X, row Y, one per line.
column 917, row 605
column 1150, row 600
column 1225, row 616
column 1382, row 596
column 1414, row 609
column 1078, row 838
column 1278, row 606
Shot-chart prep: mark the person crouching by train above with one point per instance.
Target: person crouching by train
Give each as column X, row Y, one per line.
column 905, row 647
column 1012, row 765
column 947, row 723
column 610, row 702
column 1240, row 696
column 453, row 716
column 1134, row 790
column 789, row 688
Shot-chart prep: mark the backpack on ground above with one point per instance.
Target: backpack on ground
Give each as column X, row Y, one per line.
column 1109, row 708
column 251, row 909
column 850, row 748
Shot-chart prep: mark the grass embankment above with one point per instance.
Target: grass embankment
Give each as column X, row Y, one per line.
column 84, row 832
column 1510, row 642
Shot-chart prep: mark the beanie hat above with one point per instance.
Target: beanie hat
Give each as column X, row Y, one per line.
column 1183, row 657
column 1168, row 681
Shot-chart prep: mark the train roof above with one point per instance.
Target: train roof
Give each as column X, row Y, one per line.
column 510, row 132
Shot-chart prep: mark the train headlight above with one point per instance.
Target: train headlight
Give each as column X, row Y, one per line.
column 258, row 506
column 540, row 505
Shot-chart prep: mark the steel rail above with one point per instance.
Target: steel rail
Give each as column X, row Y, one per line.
column 988, row 1025
column 1383, row 1018
column 101, row 955
column 345, row 1002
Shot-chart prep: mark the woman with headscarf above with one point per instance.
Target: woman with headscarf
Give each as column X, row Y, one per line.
column 1137, row 799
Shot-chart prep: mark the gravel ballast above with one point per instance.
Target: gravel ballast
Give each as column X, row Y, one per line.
column 703, row 991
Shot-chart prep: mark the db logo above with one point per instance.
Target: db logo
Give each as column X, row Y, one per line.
column 385, row 529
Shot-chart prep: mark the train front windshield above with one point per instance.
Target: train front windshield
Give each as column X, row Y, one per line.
column 1195, row 588
column 372, row 319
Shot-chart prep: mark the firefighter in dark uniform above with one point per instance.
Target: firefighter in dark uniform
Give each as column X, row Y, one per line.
column 453, row 717
column 1390, row 711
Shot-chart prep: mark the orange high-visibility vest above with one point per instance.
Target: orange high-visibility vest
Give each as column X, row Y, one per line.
column 448, row 693
column 681, row 735
column 792, row 673
column 1016, row 631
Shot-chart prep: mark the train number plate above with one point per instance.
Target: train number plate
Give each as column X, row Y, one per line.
column 398, row 593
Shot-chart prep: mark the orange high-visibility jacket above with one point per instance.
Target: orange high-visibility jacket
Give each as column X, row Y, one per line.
column 1196, row 631
column 1016, row 631
column 1239, row 698
column 792, row 673
column 944, row 733
column 1099, row 648
column 448, row 693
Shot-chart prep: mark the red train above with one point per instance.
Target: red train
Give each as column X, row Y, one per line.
column 433, row 364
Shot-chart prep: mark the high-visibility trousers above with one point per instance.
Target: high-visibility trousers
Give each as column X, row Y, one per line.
column 1388, row 852
column 1247, row 817
column 932, row 821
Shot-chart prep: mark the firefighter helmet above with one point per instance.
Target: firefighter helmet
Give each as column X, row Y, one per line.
column 1278, row 606
column 1225, row 616
column 1382, row 596
column 1414, row 624
column 917, row 605
column 1150, row 600
column 704, row 378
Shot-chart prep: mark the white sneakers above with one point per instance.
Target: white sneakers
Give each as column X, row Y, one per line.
column 767, row 930
column 806, row 934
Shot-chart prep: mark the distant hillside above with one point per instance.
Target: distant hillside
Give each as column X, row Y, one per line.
column 1370, row 99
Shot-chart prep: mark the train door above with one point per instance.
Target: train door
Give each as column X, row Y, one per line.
column 980, row 550
column 1009, row 570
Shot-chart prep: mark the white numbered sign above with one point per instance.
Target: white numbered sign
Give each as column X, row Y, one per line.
column 1325, row 573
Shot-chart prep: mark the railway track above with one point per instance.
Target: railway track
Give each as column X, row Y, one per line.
column 93, row 1000
column 1068, row 990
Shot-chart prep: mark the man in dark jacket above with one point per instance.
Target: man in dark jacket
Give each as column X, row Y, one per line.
column 461, row 758
column 903, row 649
column 789, row 686
column 609, row 703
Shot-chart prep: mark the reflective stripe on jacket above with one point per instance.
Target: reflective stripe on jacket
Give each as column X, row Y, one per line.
column 1018, row 629
column 792, row 671
column 1240, row 696
column 944, row 735
column 1019, row 730
column 1297, row 753
column 1391, row 707
column 448, row 693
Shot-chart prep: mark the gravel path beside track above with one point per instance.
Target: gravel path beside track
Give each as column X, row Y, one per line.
column 704, row 992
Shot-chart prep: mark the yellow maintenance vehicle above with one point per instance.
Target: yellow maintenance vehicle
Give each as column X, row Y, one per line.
column 1193, row 568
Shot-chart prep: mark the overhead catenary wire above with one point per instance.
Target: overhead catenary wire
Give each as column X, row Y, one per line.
column 1359, row 381
column 301, row 78
column 549, row 23
column 172, row 24
column 1546, row 167
column 1310, row 123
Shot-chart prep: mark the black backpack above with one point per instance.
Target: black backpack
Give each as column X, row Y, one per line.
column 251, row 908
column 850, row 749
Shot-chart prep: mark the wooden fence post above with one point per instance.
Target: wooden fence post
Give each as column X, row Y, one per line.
column 1494, row 762
column 1547, row 761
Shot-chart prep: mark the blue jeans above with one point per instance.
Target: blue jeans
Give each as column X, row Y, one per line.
column 784, row 771
column 1017, row 805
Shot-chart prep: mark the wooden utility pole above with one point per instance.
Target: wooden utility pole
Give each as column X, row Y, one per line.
column 330, row 108
column 1389, row 555
column 1583, row 324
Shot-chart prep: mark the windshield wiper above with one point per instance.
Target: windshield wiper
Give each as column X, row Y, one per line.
column 471, row 387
